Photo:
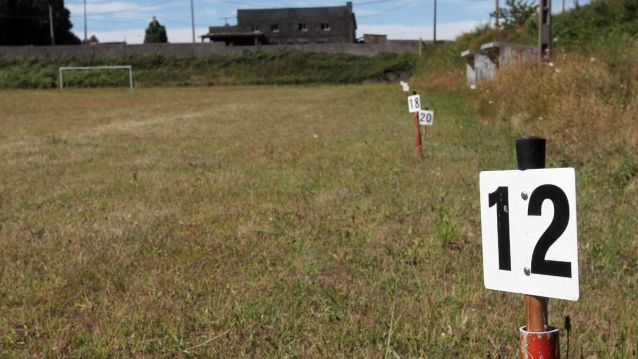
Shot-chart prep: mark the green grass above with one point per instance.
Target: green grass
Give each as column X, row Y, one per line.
column 286, row 67
column 276, row 222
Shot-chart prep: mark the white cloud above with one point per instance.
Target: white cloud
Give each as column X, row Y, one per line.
column 96, row 8
column 136, row 36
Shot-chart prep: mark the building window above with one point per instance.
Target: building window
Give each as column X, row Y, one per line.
column 303, row 27
column 255, row 28
column 325, row 26
column 274, row 28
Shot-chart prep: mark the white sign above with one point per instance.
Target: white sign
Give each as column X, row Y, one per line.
column 405, row 86
column 426, row 118
column 414, row 103
column 528, row 222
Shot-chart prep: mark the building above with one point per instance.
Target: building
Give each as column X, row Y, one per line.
column 483, row 65
column 374, row 39
column 336, row 24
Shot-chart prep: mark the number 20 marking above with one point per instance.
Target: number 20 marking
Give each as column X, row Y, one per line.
column 425, row 118
column 559, row 223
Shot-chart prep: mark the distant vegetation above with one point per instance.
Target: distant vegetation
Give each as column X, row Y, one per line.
column 584, row 98
column 290, row 67
column 155, row 33
column 582, row 29
column 27, row 23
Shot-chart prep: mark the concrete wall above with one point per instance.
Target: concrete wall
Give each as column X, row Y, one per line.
column 483, row 65
column 200, row 49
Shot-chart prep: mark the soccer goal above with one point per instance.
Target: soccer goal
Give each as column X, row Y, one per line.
column 96, row 68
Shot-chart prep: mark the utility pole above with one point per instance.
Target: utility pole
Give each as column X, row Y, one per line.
column 563, row 6
column 434, row 37
column 85, row 37
column 193, row 19
column 544, row 28
column 496, row 16
column 51, row 24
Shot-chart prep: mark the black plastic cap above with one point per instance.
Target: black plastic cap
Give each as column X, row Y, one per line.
column 530, row 152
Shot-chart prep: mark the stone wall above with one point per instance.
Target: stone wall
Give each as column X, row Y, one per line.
column 200, row 49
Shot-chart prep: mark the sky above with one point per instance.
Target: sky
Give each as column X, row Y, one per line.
column 126, row 20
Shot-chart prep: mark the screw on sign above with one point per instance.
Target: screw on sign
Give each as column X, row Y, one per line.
column 529, row 235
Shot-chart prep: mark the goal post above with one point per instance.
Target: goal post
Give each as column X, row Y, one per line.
column 87, row 68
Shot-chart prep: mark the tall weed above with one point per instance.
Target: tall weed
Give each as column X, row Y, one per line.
column 585, row 104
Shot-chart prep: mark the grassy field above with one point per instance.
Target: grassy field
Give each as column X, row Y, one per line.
column 278, row 222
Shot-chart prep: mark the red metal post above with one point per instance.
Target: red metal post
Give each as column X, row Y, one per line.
column 539, row 345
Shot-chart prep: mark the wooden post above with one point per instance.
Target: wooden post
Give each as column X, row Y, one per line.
column 434, row 34
column 52, row 33
column 537, row 340
column 530, row 154
column 536, row 313
column 544, row 28
column 419, row 147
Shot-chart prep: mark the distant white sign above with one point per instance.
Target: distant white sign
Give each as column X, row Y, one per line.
column 414, row 103
column 405, row 86
column 528, row 222
column 426, row 118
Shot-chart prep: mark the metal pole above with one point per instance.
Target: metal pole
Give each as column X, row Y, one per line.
column 193, row 19
column 61, row 83
column 536, row 340
column 85, row 36
column 51, row 24
column 130, row 77
column 434, row 23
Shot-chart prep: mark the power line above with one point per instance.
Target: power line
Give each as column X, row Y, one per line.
column 389, row 10
column 372, row 2
column 144, row 6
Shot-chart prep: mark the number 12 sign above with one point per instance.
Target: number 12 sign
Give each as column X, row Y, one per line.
column 528, row 223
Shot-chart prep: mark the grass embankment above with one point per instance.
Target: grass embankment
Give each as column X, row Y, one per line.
column 287, row 221
column 289, row 67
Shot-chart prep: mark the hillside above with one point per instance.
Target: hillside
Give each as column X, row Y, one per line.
column 257, row 68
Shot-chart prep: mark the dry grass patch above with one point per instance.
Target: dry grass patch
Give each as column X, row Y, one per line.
column 264, row 222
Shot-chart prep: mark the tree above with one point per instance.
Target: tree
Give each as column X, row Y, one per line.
column 26, row 22
column 155, row 32
column 515, row 13
column 93, row 40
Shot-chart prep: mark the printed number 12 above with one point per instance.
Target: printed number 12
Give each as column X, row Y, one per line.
column 559, row 223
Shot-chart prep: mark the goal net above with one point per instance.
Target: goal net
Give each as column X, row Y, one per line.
column 63, row 70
